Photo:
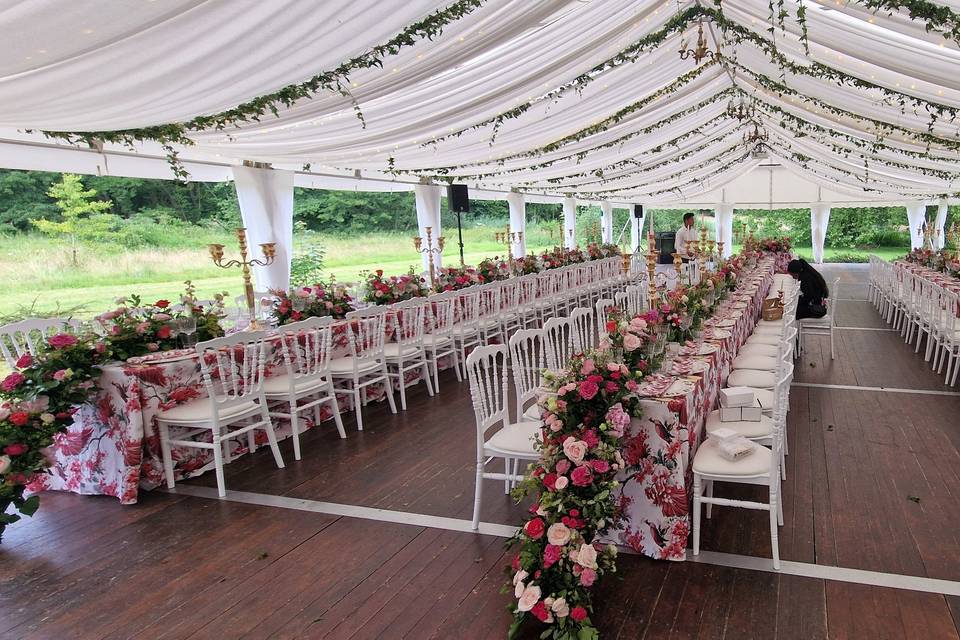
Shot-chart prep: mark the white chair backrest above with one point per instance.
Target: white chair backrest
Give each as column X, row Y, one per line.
column 440, row 314
column 366, row 329
column 26, row 336
column 584, row 329
column 232, row 368
column 528, row 359
column 467, row 309
column 490, row 300
column 637, row 299
column 510, row 294
column 528, row 289
column 487, row 373
column 306, row 347
column 409, row 320
column 558, row 342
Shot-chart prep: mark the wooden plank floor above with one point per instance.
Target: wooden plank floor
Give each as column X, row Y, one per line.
column 872, row 484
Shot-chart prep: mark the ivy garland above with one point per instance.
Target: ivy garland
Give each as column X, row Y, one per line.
column 935, row 17
column 177, row 133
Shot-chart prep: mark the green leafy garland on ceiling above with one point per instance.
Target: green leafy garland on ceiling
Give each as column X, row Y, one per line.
column 935, row 17
column 177, row 133
column 680, row 188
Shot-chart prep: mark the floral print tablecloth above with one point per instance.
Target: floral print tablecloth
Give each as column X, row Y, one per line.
column 662, row 444
column 113, row 446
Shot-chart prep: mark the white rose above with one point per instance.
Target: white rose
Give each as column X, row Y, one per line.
column 520, row 576
column 558, row 534
column 47, row 418
column 4, row 464
column 529, row 598
column 575, row 449
column 560, row 607
column 587, row 556
column 518, row 590
column 561, row 483
column 4, row 414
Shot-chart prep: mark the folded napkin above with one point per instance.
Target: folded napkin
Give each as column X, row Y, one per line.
column 163, row 356
column 655, row 385
column 735, row 448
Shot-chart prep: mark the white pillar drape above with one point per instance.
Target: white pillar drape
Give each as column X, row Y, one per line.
column 606, row 221
column 939, row 225
column 636, row 231
column 518, row 222
column 570, row 222
column 819, row 220
column 916, row 214
column 724, row 227
column 266, row 206
column 427, row 197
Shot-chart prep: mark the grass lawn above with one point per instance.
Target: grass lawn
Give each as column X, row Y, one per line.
column 38, row 274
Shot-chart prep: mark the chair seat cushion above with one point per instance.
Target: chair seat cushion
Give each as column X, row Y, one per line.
column 760, row 363
column 200, row 411
column 770, row 323
column 516, row 439
column 752, row 378
column 768, row 330
column 758, row 349
column 344, row 366
column 765, row 338
column 708, row 461
column 532, row 413
column 746, row 428
column 436, row 342
column 393, row 350
column 280, row 385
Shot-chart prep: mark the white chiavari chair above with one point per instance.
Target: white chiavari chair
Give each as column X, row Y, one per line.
column 438, row 341
column 26, row 336
column 558, row 342
column 528, row 360
column 584, row 329
column 406, row 352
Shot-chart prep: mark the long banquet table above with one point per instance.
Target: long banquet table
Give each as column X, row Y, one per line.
column 664, row 440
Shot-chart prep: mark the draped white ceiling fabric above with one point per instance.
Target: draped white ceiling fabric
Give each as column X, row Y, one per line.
column 90, row 65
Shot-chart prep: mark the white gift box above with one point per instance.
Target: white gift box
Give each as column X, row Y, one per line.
column 740, row 414
column 723, row 433
column 736, row 397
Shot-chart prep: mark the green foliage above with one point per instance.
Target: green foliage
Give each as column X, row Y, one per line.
column 846, row 256
column 83, row 218
column 306, row 265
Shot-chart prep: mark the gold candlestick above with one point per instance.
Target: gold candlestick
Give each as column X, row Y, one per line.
column 652, row 267
column 720, row 249
column 507, row 238
column 429, row 250
column 269, row 255
column 678, row 264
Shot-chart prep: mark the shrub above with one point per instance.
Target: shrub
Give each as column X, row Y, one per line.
column 847, row 257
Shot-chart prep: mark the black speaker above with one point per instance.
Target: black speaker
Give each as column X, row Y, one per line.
column 458, row 198
column 638, row 211
column 666, row 243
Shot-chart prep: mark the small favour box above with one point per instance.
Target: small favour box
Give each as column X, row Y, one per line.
column 736, row 397
column 740, row 414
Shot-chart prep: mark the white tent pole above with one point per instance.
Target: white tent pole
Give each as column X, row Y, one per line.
column 819, row 221
column 723, row 231
column 427, row 198
column 518, row 222
column 570, row 222
column 266, row 206
column 939, row 225
column 916, row 217
column 606, row 221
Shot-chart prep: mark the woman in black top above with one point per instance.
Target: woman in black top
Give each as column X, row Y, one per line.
column 813, row 289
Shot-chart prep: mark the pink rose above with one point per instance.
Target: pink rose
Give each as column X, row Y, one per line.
column 560, row 483
column 153, row 346
column 588, row 389
column 61, row 340
column 551, row 555
column 529, row 598
column 600, row 466
column 587, row 556
column 142, row 328
column 558, row 534
column 588, row 367
column 62, row 374
column 631, row 342
column 582, row 476
column 563, row 466
column 574, row 449
column 12, row 381
column 24, row 361
column 4, row 464
column 15, row 449
column 588, row 577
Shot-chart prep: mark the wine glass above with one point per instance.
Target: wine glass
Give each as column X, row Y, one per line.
column 188, row 327
column 174, row 330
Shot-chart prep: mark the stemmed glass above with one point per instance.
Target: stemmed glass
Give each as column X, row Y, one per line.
column 188, row 327
column 174, row 330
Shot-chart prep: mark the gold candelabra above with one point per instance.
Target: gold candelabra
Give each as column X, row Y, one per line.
column 678, row 264
column 269, row 251
column 954, row 237
column 720, row 249
column 429, row 250
column 652, row 267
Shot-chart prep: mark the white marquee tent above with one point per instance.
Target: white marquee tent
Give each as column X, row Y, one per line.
column 553, row 100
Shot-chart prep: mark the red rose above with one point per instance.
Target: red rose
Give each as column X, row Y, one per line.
column 590, row 437
column 588, row 390
column 550, row 481
column 163, row 332
column 535, row 528
column 15, row 449
column 600, row 466
column 19, row 418
column 24, row 361
column 62, row 340
column 540, row 612
column 575, row 513
column 581, row 476
column 551, row 555
column 162, row 304
column 611, row 387
column 578, row 614
column 12, row 381
column 516, row 562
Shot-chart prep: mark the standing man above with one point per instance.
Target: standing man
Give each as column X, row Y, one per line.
column 686, row 234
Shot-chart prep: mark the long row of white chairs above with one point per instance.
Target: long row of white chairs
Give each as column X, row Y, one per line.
column 919, row 309
column 765, row 365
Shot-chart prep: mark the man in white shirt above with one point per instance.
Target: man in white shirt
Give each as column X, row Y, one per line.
column 686, row 234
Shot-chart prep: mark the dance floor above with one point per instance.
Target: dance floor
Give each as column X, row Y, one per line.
column 369, row 537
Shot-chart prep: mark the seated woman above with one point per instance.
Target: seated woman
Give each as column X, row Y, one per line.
column 813, row 289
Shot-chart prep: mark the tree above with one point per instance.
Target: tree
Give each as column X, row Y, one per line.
column 83, row 216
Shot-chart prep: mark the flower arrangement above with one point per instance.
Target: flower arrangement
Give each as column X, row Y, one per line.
column 493, row 269
column 382, row 289
column 527, row 264
column 208, row 317
column 600, row 251
column 39, row 397
column 574, row 485
column 322, row 299
column 454, row 278
column 775, row 245
column 626, row 337
column 680, row 310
